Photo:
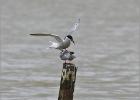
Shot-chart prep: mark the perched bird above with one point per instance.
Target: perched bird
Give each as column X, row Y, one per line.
column 67, row 55
column 61, row 43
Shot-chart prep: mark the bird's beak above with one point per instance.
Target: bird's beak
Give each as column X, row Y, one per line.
column 73, row 42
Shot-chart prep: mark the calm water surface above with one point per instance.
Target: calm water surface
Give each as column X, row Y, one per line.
column 106, row 48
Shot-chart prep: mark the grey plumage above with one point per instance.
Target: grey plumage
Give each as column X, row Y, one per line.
column 67, row 55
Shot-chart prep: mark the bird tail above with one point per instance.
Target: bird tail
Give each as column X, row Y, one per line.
column 53, row 45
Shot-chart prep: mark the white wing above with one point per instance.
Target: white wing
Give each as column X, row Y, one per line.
column 75, row 27
column 52, row 35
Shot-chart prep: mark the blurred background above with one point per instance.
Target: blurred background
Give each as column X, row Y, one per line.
column 106, row 48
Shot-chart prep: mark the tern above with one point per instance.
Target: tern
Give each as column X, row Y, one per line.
column 67, row 55
column 61, row 43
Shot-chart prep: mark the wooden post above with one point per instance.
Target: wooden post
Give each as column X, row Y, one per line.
column 68, row 78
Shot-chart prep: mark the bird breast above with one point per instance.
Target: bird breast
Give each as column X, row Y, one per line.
column 66, row 43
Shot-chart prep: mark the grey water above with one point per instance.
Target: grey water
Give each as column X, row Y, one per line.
column 106, row 48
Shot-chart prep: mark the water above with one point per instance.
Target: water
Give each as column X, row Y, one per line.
column 106, row 49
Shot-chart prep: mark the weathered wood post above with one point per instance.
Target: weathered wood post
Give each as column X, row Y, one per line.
column 68, row 78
